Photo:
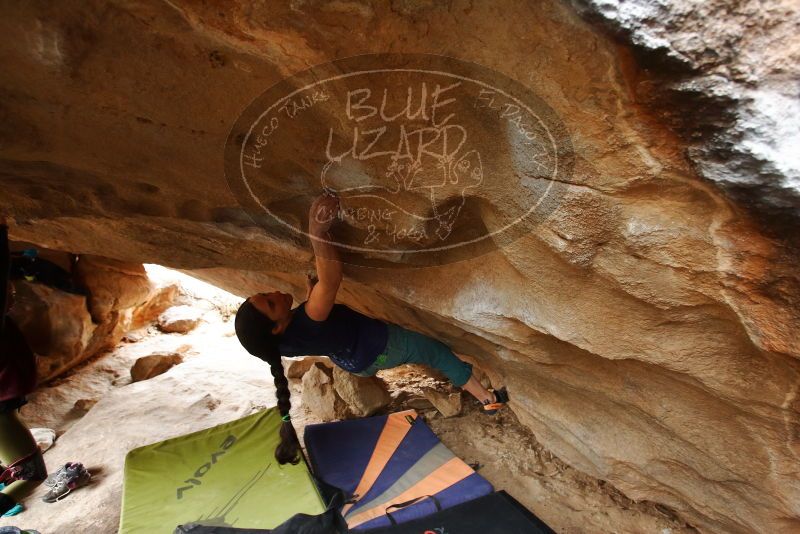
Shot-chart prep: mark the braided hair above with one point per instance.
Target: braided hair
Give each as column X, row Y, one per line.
column 254, row 330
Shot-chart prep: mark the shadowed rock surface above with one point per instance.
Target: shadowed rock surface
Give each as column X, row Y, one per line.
column 646, row 331
column 66, row 329
column 727, row 80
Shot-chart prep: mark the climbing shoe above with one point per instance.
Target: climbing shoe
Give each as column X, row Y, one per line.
column 500, row 400
column 51, row 479
column 69, row 477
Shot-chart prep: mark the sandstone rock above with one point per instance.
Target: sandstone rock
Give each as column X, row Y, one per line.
column 108, row 334
column 736, row 82
column 159, row 300
column 319, row 395
column 84, row 405
column 179, row 319
column 296, row 367
column 120, row 298
column 112, row 285
column 647, row 328
column 417, row 403
column 56, row 324
column 448, row 404
column 133, row 337
column 147, row 367
column 364, row 396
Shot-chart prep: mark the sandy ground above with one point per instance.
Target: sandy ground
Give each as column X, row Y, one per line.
column 214, row 384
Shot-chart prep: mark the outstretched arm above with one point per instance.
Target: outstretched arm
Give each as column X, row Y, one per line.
column 321, row 216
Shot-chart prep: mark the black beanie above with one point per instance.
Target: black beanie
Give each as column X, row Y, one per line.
column 254, row 330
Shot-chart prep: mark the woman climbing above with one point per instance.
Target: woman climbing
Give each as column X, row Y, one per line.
column 268, row 327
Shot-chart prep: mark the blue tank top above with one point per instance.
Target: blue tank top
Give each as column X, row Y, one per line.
column 352, row 340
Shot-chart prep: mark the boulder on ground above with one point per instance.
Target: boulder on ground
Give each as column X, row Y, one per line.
column 179, row 319
column 297, row 367
column 134, row 336
column 364, row 396
column 319, row 395
column 448, row 404
column 84, row 405
column 149, row 366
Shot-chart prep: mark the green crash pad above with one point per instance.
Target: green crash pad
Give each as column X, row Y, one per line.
column 226, row 476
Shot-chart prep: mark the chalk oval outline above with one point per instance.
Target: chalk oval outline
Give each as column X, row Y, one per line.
column 554, row 146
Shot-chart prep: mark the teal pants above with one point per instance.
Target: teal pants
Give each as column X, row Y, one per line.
column 405, row 346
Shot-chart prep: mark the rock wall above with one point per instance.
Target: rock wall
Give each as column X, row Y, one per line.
column 65, row 329
column 646, row 330
column 726, row 79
